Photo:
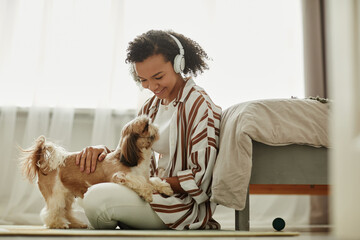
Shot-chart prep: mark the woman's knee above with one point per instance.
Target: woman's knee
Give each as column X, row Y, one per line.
column 96, row 196
column 95, row 204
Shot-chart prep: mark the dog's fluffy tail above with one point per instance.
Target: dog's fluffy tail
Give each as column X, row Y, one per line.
column 30, row 158
column 43, row 156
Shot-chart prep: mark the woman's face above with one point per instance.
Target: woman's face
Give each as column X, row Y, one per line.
column 159, row 76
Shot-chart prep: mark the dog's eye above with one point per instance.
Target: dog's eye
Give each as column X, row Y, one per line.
column 152, row 138
column 146, row 127
column 135, row 135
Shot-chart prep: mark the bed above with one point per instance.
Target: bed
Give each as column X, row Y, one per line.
column 272, row 146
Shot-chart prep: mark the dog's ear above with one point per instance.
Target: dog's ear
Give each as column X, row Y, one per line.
column 29, row 160
column 130, row 153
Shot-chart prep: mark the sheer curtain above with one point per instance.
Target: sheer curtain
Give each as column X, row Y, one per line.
column 63, row 75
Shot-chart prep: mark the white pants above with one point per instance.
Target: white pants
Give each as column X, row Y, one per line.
column 108, row 205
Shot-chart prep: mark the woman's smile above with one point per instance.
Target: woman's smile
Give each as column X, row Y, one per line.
column 159, row 92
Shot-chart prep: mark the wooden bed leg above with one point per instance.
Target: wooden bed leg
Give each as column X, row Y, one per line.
column 242, row 217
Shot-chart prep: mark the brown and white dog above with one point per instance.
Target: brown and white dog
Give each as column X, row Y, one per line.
column 60, row 180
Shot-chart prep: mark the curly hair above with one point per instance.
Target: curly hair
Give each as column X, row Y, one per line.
column 160, row 42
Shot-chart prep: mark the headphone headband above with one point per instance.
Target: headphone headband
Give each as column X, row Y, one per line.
column 182, row 52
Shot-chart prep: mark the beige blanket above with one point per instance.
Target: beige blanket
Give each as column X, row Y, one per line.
column 274, row 122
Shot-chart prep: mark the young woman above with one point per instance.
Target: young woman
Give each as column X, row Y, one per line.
column 188, row 122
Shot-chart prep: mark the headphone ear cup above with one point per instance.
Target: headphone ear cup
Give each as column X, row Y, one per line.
column 179, row 63
column 182, row 63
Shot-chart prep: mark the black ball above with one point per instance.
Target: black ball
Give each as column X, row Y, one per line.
column 278, row 224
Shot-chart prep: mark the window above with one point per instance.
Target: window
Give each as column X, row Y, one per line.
column 71, row 53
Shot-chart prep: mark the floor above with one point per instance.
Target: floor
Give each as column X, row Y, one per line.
column 306, row 233
column 226, row 218
column 301, row 237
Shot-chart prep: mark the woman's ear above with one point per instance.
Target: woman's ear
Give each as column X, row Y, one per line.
column 130, row 153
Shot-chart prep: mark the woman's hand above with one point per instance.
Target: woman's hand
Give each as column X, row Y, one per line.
column 174, row 184
column 89, row 156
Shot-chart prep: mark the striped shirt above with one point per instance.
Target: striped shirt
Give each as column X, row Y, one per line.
column 194, row 140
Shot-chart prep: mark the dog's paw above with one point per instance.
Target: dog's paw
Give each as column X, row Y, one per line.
column 119, row 177
column 57, row 225
column 161, row 186
column 78, row 225
column 167, row 190
column 148, row 198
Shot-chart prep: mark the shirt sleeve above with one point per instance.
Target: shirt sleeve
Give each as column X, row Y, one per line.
column 194, row 181
column 202, row 151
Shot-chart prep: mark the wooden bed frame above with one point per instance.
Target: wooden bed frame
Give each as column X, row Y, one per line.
column 292, row 169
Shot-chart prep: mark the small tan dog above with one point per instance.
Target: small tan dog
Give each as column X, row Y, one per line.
column 60, row 180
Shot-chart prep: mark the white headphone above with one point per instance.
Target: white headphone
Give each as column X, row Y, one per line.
column 179, row 60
